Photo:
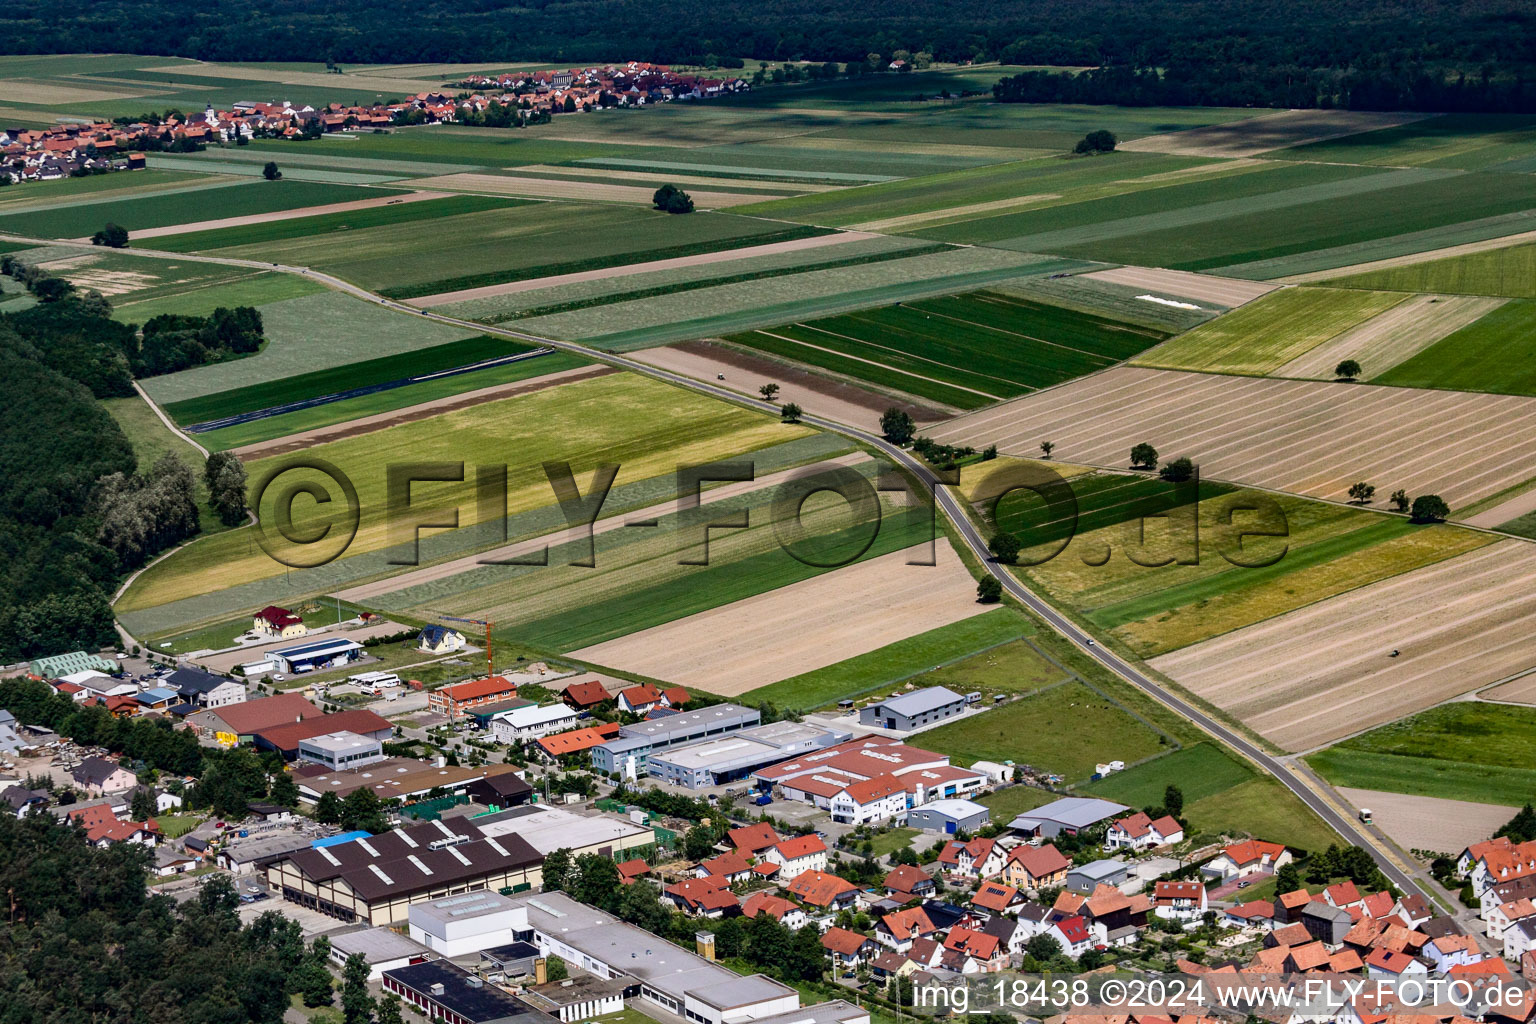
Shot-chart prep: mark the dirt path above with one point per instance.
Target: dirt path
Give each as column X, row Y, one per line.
column 369, row 591
column 700, row 259
column 805, row 626
column 571, row 188
column 383, row 420
column 1219, row 291
column 1280, row 130
column 1389, row 338
column 1428, row 822
column 267, row 218
column 1306, row 437
column 1322, row 672
column 1427, row 256
column 1498, row 515
column 817, row 395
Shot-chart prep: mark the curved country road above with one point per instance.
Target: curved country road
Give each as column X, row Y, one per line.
column 1289, row 776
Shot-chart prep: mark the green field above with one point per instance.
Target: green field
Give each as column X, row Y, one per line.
column 350, row 409
column 1152, row 609
column 158, row 211
column 514, row 242
column 1012, row 801
column 1200, row 771
column 341, row 378
column 1462, row 141
column 327, row 331
column 99, row 188
column 962, row 350
column 1102, row 500
column 331, row 223
column 1264, row 809
column 1508, row 271
column 1462, row 751
column 1495, row 353
column 1066, row 730
column 206, row 287
column 1266, row 334
column 646, row 427
column 640, row 580
column 897, row 662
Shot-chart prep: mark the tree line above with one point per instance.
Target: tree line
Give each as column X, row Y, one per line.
column 1212, row 47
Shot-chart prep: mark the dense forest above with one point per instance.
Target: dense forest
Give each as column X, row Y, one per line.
column 1238, row 50
column 76, row 510
column 82, row 940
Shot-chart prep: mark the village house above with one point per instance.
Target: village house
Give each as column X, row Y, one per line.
column 1250, row 857
column 1179, row 901
column 993, row 899
column 899, row 930
column 278, row 623
column 977, row 858
column 1140, row 832
column 794, row 857
column 905, row 883
column 96, row 776
column 776, row 907
column 848, row 950
column 822, row 890
column 1036, row 867
column 439, row 640
column 703, row 897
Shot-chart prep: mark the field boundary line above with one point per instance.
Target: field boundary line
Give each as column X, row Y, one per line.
column 871, row 362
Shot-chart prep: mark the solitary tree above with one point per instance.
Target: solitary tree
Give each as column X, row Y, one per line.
column 270, row 172
column 113, row 236
column 1046, row 447
column 1400, row 499
column 989, row 590
column 1173, row 800
column 1347, row 370
column 1004, row 547
column 671, row 199
column 1361, row 493
column 769, row 392
column 897, row 425
column 1177, row 470
column 1143, row 456
column 1100, row 141
column 1430, row 508
column 790, row 412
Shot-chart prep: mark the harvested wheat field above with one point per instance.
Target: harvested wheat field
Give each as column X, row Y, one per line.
column 1516, row 691
column 1300, row 436
column 1429, row 822
column 82, row 272
column 1280, row 130
column 819, row 396
column 1317, row 674
column 571, row 188
column 1387, row 339
column 801, row 627
column 1217, row 291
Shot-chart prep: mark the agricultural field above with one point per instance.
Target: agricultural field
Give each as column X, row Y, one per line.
column 1464, row 750
column 1201, row 770
column 325, row 331
column 1324, row 671
column 749, row 304
column 1384, row 341
column 962, row 350
column 1064, row 729
column 158, row 210
column 1466, row 142
column 380, row 211
column 1266, row 334
column 152, row 441
column 1496, row 353
column 140, row 288
column 1141, row 582
column 745, row 645
column 1267, row 132
column 1506, row 270
column 648, row 428
column 518, row 242
column 1306, row 437
column 103, row 188
column 981, row 637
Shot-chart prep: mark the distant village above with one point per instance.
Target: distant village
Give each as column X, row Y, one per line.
column 528, row 97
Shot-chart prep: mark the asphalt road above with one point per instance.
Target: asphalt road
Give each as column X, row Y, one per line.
column 1288, row 776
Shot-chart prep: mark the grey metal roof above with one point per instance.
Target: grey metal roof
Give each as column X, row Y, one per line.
column 917, row 702
column 1100, row 868
column 1070, row 812
column 377, row 945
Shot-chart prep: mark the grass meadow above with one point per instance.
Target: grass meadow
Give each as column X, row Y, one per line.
column 1508, row 271
column 1466, row 750
column 1495, row 353
column 1465, row 142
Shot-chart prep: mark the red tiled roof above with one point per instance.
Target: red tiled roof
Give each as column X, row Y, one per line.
column 1177, row 890
column 476, row 688
column 675, row 695
column 725, row 865
column 586, row 694
column 645, row 693
column 801, row 846
column 1388, row 960
column 905, row 924
column 358, row 720
column 877, row 788
column 819, row 888
column 705, row 893
column 905, row 878
column 978, row 945
column 752, row 839
column 1251, row 851
column 1251, row 911
column 843, row 942
column 994, row 896
column 252, row 716
column 1039, row 861
column 766, row 903
column 576, row 740
column 1342, row 893
column 630, row 870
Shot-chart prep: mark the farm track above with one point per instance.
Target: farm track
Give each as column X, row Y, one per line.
column 1330, row 809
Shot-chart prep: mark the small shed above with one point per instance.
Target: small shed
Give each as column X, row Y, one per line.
column 949, row 816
